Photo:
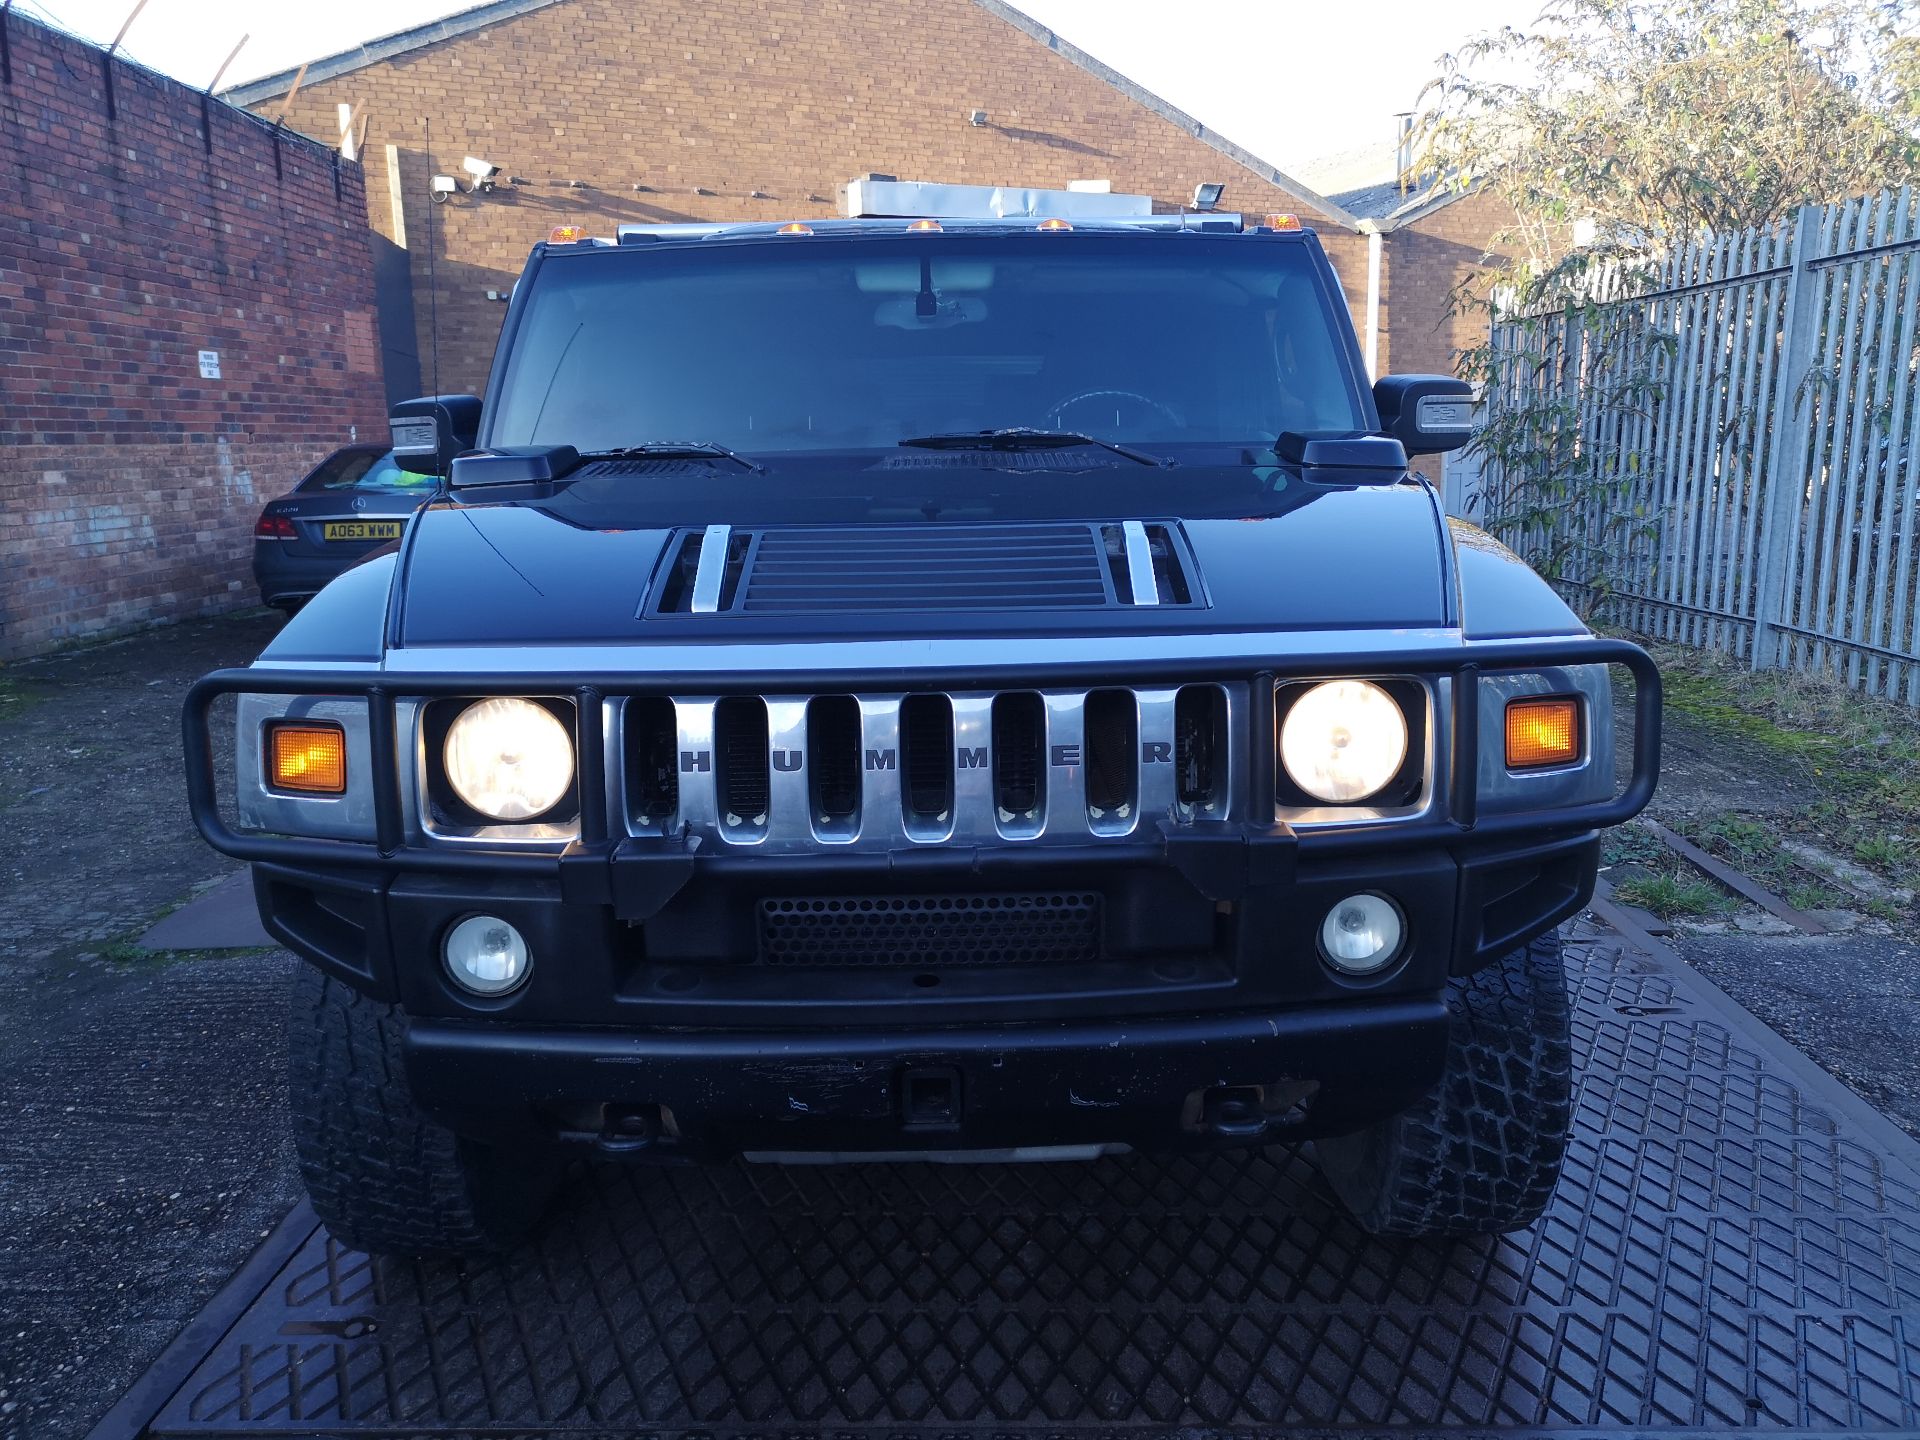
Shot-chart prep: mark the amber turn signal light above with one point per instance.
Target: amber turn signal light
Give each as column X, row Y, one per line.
column 1543, row 732
column 308, row 757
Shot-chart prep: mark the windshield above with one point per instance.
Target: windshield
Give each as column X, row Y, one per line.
column 857, row 344
column 363, row 470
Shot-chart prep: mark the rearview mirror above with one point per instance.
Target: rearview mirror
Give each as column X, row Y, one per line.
column 430, row 431
column 1428, row 414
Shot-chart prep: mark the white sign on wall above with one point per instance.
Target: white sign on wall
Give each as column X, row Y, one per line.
column 209, row 364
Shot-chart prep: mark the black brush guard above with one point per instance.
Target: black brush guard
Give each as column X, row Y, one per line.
column 1195, row 849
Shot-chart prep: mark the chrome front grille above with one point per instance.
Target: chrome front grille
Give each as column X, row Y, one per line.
column 789, row 773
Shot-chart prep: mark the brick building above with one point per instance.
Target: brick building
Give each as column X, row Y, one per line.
column 604, row 111
column 186, row 324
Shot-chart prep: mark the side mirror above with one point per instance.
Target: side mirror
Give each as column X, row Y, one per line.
column 430, row 431
column 1428, row 414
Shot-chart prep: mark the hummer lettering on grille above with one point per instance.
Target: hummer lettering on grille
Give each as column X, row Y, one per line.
column 692, row 760
column 972, row 757
column 1066, row 755
column 1156, row 752
column 880, row 759
column 787, row 760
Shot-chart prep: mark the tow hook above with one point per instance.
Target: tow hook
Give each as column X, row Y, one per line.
column 628, row 1129
column 1234, row 1110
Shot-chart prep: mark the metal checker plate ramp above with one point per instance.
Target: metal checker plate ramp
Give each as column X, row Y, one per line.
column 1733, row 1246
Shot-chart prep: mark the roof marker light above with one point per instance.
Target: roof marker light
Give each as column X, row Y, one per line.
column 566, row 234
column 794, row 227
column 1054, row 222
column 1283, row 222
column 926, row 225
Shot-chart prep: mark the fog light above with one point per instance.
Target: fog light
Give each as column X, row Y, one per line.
column 1361, row 934
column 487, row 955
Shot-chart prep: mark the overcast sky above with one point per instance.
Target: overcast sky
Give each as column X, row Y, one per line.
column 1290, row 80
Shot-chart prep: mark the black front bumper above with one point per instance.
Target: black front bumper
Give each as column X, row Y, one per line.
column 1153, row 1084
column 1203, row 1021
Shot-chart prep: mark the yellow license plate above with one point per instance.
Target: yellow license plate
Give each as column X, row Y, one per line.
column 362, row 530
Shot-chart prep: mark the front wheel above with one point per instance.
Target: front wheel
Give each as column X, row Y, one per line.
column 1480, row 1153
column 383, row 1177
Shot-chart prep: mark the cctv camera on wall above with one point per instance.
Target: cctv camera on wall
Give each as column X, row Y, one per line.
column 484, row 172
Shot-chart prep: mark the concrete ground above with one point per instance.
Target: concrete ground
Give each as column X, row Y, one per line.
column 1850, row 1000
column 145, row 1153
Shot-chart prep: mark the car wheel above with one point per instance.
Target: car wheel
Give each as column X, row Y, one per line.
column 382, row 1176
column 1481, row 1152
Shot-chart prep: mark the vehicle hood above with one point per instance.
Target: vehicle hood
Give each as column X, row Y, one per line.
column 1314, row 557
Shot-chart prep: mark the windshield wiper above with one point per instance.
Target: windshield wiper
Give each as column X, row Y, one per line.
column 676, row 450
column 1022, row 437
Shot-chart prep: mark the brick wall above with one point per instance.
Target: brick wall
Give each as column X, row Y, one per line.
column 132, row 238
column 681, row 111
column 1423, row 263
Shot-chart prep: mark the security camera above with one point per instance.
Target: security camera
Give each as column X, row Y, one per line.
column 482, row 171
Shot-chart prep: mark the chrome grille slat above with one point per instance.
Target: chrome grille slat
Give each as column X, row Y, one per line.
column 699, row 770
column 882, row 821
column 973, row 810
column 789, row 806
column 1065, row 758
column 1157, row 781
column 882, row 818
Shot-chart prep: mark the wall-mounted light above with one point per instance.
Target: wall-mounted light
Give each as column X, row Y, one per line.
column 976, row 117
column 1207, row 194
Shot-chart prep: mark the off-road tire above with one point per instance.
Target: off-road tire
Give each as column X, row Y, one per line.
column 1480, row 1153
column 383, row 1177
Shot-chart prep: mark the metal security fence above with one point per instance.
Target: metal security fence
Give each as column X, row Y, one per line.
column 1724, row 441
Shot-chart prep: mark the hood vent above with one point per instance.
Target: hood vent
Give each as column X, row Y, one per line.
column 1147, row 564
column 1062, row 460
column 642, row 466
column 826, row 570
column 703, row 576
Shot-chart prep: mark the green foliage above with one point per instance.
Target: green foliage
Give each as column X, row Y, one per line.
column 1674, row 897
column 1882, row 852
column 1616, row 130
column 1660, row 120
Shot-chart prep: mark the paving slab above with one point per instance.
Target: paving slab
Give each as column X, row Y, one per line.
column 1735, row 1246
column 224, row 918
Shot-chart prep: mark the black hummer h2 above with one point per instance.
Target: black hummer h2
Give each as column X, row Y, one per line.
column 982, row 689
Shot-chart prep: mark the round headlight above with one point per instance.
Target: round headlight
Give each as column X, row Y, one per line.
column 1343, row 740
column 509, row 759
column 1361, row 934
column 487, row 955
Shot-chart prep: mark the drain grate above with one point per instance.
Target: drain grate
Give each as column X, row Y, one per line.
column 1046, row 928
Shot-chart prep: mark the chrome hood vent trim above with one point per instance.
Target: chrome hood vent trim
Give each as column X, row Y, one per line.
column 927, row 569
